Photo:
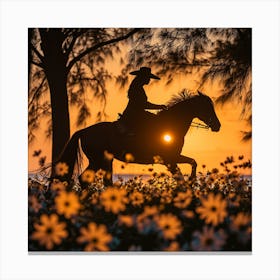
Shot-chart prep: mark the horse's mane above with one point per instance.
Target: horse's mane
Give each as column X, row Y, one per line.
column 181, row 96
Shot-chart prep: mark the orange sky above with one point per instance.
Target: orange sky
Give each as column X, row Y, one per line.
column 209, row 148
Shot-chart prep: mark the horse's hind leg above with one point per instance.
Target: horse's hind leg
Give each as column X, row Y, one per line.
column 87, row 176
column 94, row 147
column 96, row 164
column 107, row 166
column 175, row 170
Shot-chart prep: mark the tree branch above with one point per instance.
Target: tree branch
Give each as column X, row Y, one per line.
column 37, row 64
column 37, row 53
column 68, row 50
column 37, row 91
column 71, row 45
column 100, row 45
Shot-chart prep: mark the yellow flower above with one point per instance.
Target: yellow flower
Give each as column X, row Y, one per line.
column 57, row 185
column 188, row 214
column 170, row 225
column 146, row 218
column 208, row 239
column 35, row 184
column 88, row 176
column 108, row 156
column 166, row 197
column 84, row 195
column 149, row 212
column 136, row 198
column 173, row 246
column 197, row 193
column 61, row 169
column 241, row 225
column 95, row 236
column 114, row 200
column 210, row 180
column 94, row 199
column 241, row 221
column 234, row 199
column 34, row 203
column 129, row 157
column 67, row 204
column 148, row 197
column 126, row 220
column 158, row 160
column 213, row 209
column 108, row 175
column 183, row 199
column 100, row 173
column 49, row 231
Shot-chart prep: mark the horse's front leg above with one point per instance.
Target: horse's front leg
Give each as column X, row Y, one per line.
column 174, row 169
column 191, row 161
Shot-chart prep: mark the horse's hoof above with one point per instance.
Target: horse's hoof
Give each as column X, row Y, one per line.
column 179, row 177
column 192, row 178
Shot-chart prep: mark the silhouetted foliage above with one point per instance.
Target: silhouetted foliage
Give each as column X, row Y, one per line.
column 217, row 54
column 68, row 62
column 169, row 50
column 232, row 64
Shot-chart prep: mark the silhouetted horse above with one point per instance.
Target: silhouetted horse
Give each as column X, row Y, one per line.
column 163, row 136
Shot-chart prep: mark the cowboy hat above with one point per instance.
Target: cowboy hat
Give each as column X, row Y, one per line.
column 145, row 71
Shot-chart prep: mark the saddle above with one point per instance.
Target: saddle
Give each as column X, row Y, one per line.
column 122, row 127
column 127, row 126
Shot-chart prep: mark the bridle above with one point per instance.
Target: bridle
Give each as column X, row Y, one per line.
column 200, row 125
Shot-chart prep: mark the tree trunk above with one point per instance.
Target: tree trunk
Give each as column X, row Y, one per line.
column 56, row 74
column 60, row 112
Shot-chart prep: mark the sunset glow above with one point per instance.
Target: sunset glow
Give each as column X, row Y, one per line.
column 167, row 138
column 207, row 148
column 119, row 136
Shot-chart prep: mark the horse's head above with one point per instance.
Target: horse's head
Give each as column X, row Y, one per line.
column 206, row 112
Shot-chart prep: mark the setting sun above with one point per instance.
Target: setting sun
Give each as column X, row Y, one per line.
column 167, row 138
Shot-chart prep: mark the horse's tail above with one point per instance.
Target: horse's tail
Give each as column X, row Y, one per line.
column 63, row 168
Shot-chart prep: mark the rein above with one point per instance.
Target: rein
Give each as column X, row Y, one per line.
column 199, row 125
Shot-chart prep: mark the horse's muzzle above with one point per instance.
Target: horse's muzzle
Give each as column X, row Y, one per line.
column 216, row 127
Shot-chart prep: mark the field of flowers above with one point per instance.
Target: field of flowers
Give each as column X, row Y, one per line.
column 163, row 213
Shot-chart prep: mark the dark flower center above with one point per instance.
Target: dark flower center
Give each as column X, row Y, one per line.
column 213, row 208
column 242, row 227
column 167, row 227
column 209, row 241
column 49, row 230
column 94, row 240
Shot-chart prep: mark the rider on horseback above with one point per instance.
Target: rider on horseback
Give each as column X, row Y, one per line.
column 135, row 113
